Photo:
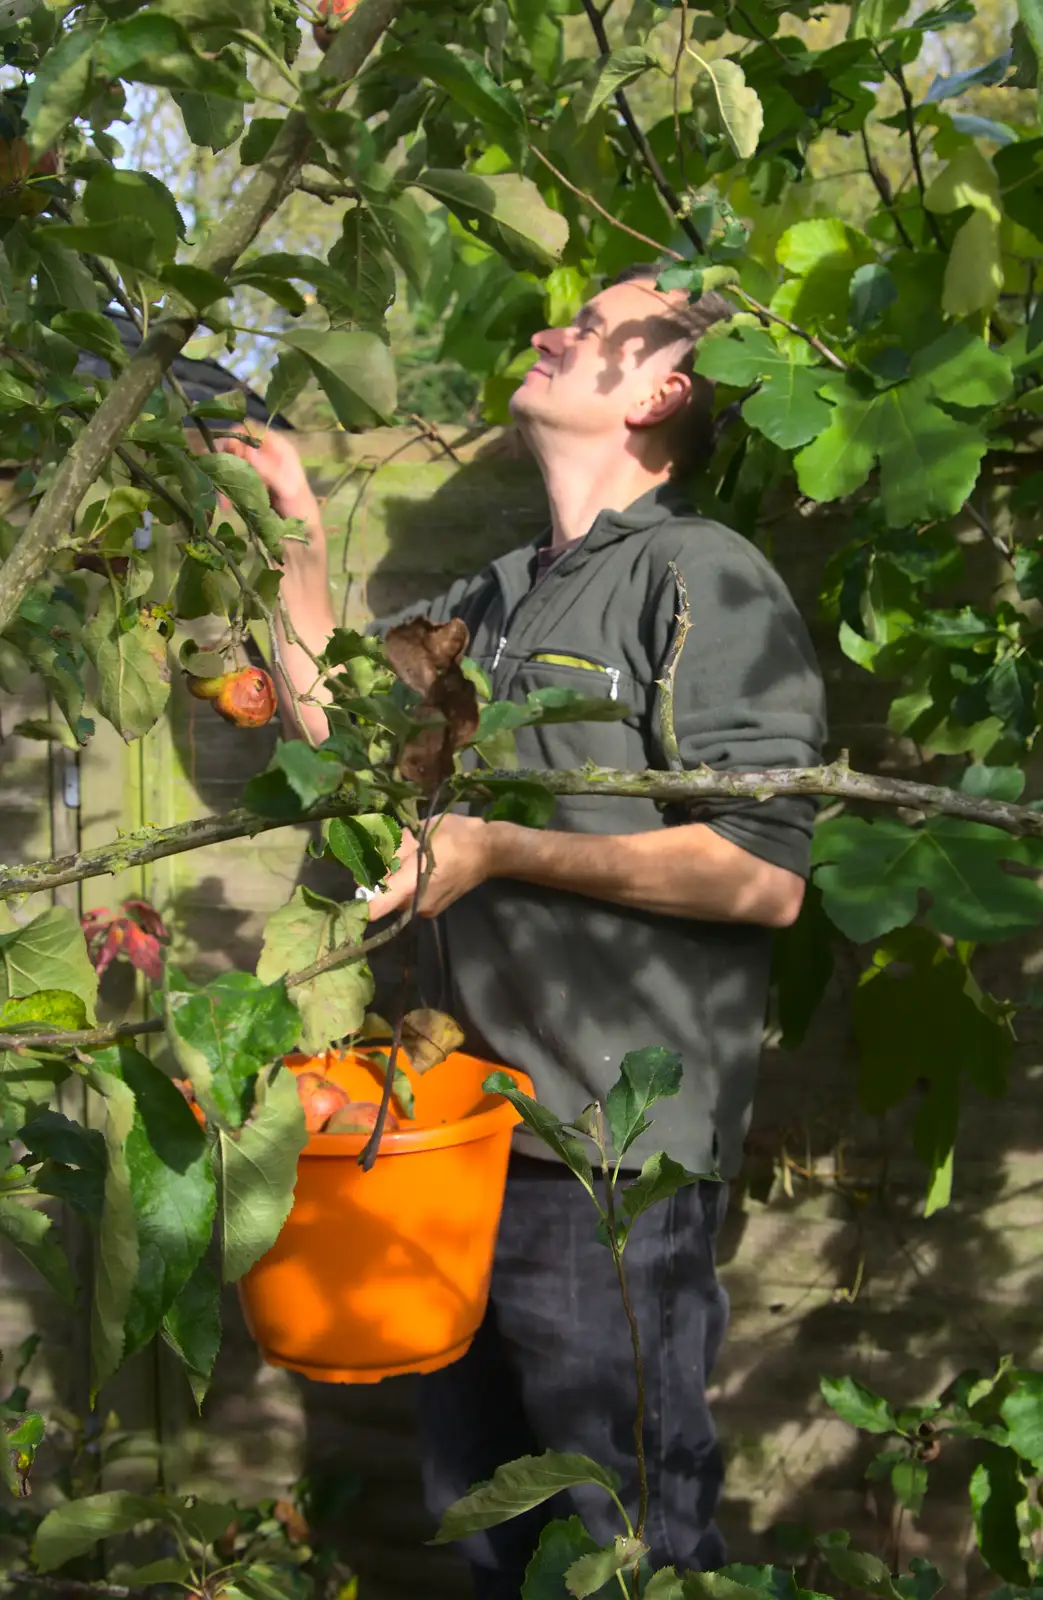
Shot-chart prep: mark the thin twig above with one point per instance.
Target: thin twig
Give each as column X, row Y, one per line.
column 665, row 684
column 637, row 134
column 678, row 140
column 595, row 205
column 635, row 1340
column 342, row 954
column 425, row 865
column 431, row 430
column 993, row 537
column 883, row 189
column 898, row 76
column 326, row 192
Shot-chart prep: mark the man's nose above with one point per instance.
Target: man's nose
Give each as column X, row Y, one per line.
column 549, row 341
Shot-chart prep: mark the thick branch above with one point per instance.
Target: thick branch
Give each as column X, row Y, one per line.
column 245, row 215
column 835, row 780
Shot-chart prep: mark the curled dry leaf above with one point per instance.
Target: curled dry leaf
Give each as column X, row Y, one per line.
column 428, row 1037
column 427, row 657
column 297, row 1530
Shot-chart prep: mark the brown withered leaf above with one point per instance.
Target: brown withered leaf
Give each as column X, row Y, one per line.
column 419, row 652
column 297, row 1530
column 427, row 656
column 428, row 1037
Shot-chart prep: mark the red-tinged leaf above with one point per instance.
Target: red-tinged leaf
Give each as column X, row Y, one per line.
column 142, row 950
column 111, row 946
column 146, row 917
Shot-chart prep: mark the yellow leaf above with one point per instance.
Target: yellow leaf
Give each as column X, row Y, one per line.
column 974, row 271
column 967, row 180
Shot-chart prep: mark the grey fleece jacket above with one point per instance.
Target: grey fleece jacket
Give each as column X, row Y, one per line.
column 563, row 986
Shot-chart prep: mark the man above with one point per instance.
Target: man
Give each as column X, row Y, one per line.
column 619, row 926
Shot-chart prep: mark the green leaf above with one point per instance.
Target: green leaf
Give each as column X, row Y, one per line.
column 929, row 460
column 354, row 370
column 870, row 875
column 808, row 247
column 1022, row 1411
column 30, row 1232
column 50, row 1008
column 471, row 87
column 211, row 120
column 368, row 285
column 47, row 954
column 192, row 1327
column 333, row 1004
column 872, row 291
column 518, row 800
column 237, row 479
column 997, row 1494
column 787, row 408
column 116, row 1263
column 366, row 845
column 917, row 1015
column 131, row 663
column 92, row 331
column 608, row 74
column 801, row 967
column 739, row 111
column 196, row 287
column 554, row 1133
column 562, row 1543
column 855, row 1567
column 659, row 1178
column 591, row 1572
column 259, row 1170
column 645, row 1077
column 857, row 1405
column 974, row 272
column 54, row 1137
column 224, row 1033
column 517, row 1487
column 61, row 87
column 311, row 774
column 909, row 1483
column 505, row 210
column 173, row 1194
column 117, row 194
column 553, row 704
column 72, row 1529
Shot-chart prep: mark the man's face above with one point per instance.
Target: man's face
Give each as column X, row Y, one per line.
column 598, row 375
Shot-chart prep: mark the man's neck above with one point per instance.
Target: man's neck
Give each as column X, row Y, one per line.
column 578, row 489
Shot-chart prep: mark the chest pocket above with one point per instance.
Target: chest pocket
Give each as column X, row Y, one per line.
column 559, row 745
column 609, row 675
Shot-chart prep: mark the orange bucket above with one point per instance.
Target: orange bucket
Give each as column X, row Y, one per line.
column 384, row 1272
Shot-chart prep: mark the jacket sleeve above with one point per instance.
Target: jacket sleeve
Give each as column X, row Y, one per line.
column 748, row 693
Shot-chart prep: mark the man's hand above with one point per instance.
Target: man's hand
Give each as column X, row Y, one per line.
column 275, row 460
column 460, row 848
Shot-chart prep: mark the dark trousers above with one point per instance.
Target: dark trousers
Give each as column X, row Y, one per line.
column 551, row 1368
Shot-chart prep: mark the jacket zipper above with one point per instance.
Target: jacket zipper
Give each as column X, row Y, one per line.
column 555, row 658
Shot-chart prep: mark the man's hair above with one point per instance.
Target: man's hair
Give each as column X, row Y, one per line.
column 691, row 434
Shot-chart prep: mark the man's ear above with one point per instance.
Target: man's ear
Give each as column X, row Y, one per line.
column 670, row 397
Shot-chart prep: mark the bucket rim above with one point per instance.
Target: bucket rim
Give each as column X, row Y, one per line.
column 499, row 1117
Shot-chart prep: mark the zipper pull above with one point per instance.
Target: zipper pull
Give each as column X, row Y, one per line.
column 613, row 678
column 500, row 648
